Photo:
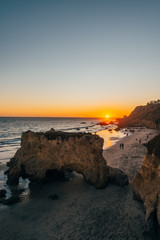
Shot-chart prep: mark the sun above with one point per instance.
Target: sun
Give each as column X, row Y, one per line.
column 107, row 116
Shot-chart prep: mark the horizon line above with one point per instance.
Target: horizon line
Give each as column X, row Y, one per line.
column 50, row 117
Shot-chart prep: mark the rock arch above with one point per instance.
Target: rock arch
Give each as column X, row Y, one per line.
column 61, row 152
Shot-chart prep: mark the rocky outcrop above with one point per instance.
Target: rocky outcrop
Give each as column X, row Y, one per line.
column 146, row 183
column 52, row 154
column 148, row 115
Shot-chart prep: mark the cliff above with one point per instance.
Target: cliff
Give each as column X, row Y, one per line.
column 146, row 183
column 52, row 154
column 148, row 115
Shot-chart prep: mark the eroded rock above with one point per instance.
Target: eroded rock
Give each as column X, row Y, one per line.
column 53, row 153
column 146, row 183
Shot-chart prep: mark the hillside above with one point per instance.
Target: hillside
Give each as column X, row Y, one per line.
column 148, row 115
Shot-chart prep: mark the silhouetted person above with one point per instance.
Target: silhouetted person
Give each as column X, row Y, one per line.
column 122, row 145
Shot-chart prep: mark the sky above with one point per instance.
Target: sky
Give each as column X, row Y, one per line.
column 78, row 58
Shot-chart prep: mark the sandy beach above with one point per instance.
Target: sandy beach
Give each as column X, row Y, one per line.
column 129, row 158
column 81, row 211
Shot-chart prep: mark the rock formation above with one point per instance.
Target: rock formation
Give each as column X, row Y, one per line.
column 53, row 153
column 146, row 183
column 148, row 115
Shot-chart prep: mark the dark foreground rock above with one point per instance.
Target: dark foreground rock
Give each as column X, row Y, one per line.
column 2, row 193
column 11, row 200
column 51, row 154
column 146, row 186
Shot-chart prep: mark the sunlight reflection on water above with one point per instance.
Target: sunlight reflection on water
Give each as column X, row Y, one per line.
column 110, row 137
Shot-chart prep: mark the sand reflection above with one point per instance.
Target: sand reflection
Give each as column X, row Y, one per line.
column 110, row 137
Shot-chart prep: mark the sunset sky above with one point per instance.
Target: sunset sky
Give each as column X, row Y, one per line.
column 79, row 58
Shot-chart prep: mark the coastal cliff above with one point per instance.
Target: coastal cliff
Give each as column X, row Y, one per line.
column 148, row 116
column 52, row 154
column 146, row 183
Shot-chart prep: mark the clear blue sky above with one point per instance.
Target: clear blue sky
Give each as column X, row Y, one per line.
column 73, row 58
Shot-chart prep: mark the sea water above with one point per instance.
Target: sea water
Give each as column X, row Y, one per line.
column 11, row 129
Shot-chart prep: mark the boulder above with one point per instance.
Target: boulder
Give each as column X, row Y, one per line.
column 146, row 183
column 53, row 153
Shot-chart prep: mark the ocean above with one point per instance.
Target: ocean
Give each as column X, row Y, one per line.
column 11, row 129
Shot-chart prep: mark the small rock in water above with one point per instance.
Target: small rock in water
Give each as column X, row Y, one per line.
column 52, row 130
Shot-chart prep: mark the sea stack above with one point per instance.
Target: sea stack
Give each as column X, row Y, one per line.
column 53, row 153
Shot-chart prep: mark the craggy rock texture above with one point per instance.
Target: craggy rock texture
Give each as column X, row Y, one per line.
column 148, row 116
column 146, row 183
column 52, row 153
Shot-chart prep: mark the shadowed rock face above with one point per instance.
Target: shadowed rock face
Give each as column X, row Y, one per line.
column 148, row 116
column 146, row 183
column 54, row 153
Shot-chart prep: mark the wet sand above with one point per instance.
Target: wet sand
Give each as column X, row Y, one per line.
column 81, row 211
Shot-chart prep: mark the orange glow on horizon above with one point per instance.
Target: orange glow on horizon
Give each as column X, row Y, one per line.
column 24, row 110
